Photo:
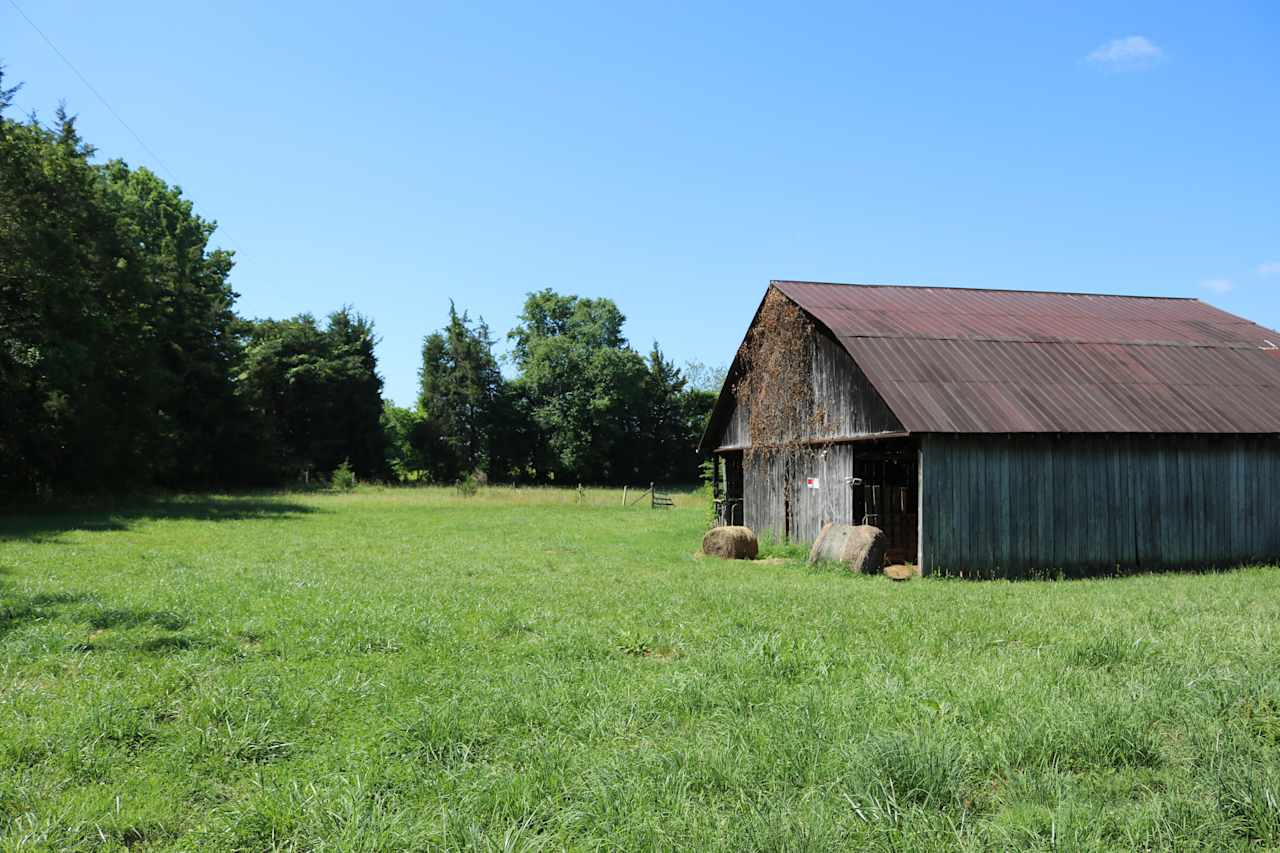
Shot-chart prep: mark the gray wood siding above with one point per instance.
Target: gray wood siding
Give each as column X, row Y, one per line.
column 765, row 477
column 762, row 496
column 832, row 500
column 736, row 433
column 1026, row 505
column 850, row 405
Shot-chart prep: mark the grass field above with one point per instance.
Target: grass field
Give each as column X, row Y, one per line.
column 520, row 670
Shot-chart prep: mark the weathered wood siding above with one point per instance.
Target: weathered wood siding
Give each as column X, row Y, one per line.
column 850, row 405
column 769, row 479
column 735, row 432
column 1026, row 505
column 763, row 480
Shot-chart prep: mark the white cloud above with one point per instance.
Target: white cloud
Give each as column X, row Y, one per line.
column 1127, row 54
column 1218, row 285
column 1269, row 268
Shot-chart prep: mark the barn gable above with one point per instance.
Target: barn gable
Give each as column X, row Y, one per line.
column 852, row 407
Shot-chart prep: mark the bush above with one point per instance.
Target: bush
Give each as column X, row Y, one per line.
column 343, row 479
column 467, row 486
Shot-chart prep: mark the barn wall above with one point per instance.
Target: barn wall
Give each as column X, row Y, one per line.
column 1024, row 505
column 831, row 501
column 851, row 406
column 762, row 494
column 768, row 477
column 736, row 433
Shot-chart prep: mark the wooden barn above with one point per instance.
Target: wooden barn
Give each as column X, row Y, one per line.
column 1005, row 433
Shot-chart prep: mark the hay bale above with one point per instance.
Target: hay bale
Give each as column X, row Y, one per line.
column 902, row 572
column 731, row 543
column 860, row 547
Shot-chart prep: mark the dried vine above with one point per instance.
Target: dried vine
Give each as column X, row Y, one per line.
column 776, row 383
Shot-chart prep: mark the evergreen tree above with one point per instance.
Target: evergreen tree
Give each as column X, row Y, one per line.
column 315, row 395
column 459, row 388
column 665, row 437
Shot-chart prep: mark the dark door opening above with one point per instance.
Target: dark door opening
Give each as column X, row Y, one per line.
column 729, row 498
column 885, row 495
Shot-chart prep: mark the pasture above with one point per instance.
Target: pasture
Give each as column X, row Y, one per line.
column 518, row 670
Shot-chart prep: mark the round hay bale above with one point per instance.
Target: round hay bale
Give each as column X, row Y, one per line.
column 731, row 543
column 860, row 547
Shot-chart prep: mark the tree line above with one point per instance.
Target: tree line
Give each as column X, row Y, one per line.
column 124, row 364
column 584, row 406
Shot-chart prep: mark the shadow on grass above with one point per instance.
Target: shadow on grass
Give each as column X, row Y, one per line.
column 44, row 526
column 132, row 617
column 17, row 609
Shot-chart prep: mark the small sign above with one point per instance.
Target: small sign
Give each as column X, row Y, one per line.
column 811, row 483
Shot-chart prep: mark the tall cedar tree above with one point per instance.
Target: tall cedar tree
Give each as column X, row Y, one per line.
column 459, row 390
column 665, row 436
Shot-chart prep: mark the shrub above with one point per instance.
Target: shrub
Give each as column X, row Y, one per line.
column 467, row 486
column 343, row 478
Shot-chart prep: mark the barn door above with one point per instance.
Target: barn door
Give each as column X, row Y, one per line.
column 866, row 486
column 729, row 503
column 885, row 490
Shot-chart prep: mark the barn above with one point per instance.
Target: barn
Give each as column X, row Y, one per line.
column 996, row 433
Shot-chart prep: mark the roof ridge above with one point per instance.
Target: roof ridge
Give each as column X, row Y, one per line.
column 982, row 289
column 1239, row 345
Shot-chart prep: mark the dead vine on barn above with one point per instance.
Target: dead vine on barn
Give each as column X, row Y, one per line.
column 776, row 384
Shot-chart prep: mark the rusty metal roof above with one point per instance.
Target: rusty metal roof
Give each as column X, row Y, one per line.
column 981, row 361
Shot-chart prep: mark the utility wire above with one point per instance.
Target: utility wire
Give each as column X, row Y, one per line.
column 154, row 156
column 145, row 147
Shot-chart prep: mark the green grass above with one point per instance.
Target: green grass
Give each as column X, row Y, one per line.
column 521, row 670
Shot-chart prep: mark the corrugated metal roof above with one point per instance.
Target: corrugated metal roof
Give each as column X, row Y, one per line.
column 978, row 361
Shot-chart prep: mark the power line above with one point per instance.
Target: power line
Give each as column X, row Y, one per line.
column 90, row 86
column 156, row 157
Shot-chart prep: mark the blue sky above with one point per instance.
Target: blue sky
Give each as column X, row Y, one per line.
column 677, row 157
